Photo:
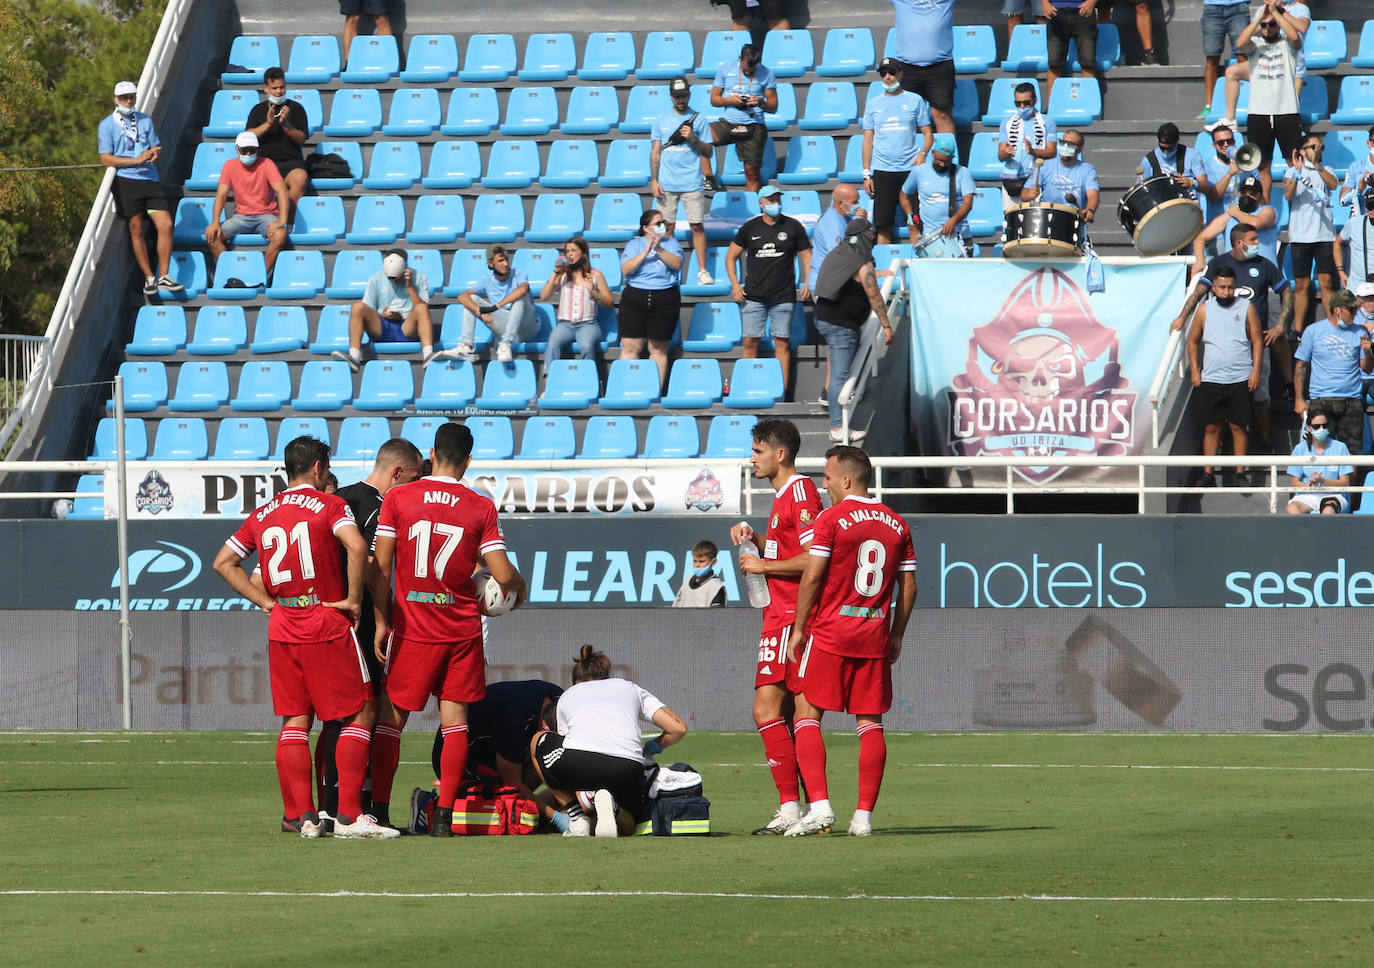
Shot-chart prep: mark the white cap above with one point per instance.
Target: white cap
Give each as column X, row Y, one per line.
column 393, row 265
column 1364, row 290
column 246, row 139
column 125, row 87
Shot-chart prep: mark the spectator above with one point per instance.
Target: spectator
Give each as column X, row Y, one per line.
column 844, row 205
column 773, row 242
column 1018, row 12
column 847, row 293
column 505, row 307
column 1069, row 20
column 1144, row 26
column 943, row 193
column 747, row 90
column 1026, row 136
column 1066, row 179
column 1358, row 266
column 280, row 125
column 129, row 144
column 1307, row 185
column 1250, row 209
column 925, row 48
column 1172, row 158
column 1301, row 18
column 651, row 301
column 1229, row 374
column 1273, row 41
column 353, row 12
column 1221, row 20
column 1364, row 292
column 394, row 309
column 1222, row 178
column 1318, row 487
column 890, row 123
column 774, row 13
column 702, row 588
column 680, row 163
column 1335, row 355
column 1358, row 179
column 578, row 289
column 260, row 202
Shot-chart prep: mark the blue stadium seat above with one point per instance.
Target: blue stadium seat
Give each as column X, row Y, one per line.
column 592, row 109
column 135, row 439
column 354, row 114
column 1002, row 99
column 557, row 217
column 292, row 427
column 848, row 52
column 430, row 58
column 395, row 166
column 242, row 438
column 1324, row 45
column 1342, row 148
column 1242, row 103
column 530, row 111
column 372, row 59
column 804, row 205
column 571, row 163
column 228, row 111
column 206, row 165
column 715, row 265
column 852, row 171
column 158, row 331
column 181, row 438
column 755, row 383
column 732, row 168
column 453, row 164
column 377, row 220
column 811, row 160
column 788, row 53
column 1108, row 49
column 263, row 385
column 220, row 331
column 1027, row 52
column 975, row 48
column 471, row 111
column 666, row 54
column 469, row 265
column 547, row 438
column 201, row 386
column 720, row 47
column 627, row 164
column 248, row 266
column 700, row 102
column 985, row 219
column 1078, row 100
column 280, row 329
column 297, row 275
column 965, row 102
column 539, row 260
column 643, row 104
column 693, row 384
column 786, row 114
column 187, row 268
column 314, row 60
column 669, row 436
column 309, row 99
column 1355, row 101
column 607, row 56
column 714, row 328
column 254, row 53
column 386, row 385
column 631, row 385
column 451, row 325
column 982, row 157
column 352, row 153
column 548, row 57
column 420, row 430
column 331, row 330
column 1364, row 54
column 608, row 261
column 437, row 218
column 570, row 385
column 319, row 220
column 145, row 386
column 512, row 164
column 92, row 506
column 414, row 113
column 496, row 218
column 508, row 386
column 447, row 385
column 492, row 438
column 489, row 58
column 730, row 435
column 609, row 437
column 729, row 210
column 361, row 437
column 830, row 106
column 325, row 385
column 1312, row 101
column 615, row 217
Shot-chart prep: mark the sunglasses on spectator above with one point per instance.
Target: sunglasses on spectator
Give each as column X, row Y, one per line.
column 1224, row 144
column 1269, row 23
column 1025, row 104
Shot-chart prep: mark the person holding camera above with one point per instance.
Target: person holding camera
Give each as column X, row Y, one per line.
column 1357, row 267
column 747, row 91
column 578, row 289
column 394, row 309
column 1316, row 487
column 1359, row 178
column 680, row 168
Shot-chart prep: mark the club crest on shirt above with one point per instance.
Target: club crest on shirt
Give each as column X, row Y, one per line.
column 773, row 522
column 704, row 493
column 154, row 494
column 805, row 515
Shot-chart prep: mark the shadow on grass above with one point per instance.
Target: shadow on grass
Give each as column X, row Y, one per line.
column 73, row 789
column 955, row 829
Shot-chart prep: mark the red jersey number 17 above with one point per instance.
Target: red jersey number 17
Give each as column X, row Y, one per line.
column 423, row 534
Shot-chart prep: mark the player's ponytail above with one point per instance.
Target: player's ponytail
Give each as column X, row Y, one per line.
column 590, row 664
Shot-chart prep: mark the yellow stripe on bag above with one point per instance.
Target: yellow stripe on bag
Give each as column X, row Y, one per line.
column 690, row 827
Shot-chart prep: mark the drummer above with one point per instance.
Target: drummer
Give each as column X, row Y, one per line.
column 926, row 195
column 1026, row 138
column 1066, row 179
column 1174, row 159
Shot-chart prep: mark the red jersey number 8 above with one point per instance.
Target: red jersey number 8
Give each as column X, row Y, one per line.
column 868, row 579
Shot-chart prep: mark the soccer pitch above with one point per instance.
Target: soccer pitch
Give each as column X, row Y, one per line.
column 990, row 849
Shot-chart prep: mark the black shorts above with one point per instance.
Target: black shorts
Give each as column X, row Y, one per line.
column 1224, row 403
column 1305, row 253
column 286, row 166
column 136, row 196
column 1263, row 129
column 749, row 144
column 887, row 186
column 373, row 8
column 772, row 10
column 651, row 313
column 934, row 82
column 574, row 770
column 1068, row 24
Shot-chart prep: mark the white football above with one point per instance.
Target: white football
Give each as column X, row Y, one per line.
column 493, row 598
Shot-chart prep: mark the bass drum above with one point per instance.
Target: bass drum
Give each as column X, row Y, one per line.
column 1160, row 216
column 1037, row 230
column 937, row 246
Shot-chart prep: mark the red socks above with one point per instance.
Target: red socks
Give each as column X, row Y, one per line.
column 782, row 758
column 452, row 762
column 293, row 771
column 811, row 757
column 872, row 760
column 386, row 754
column 350, row 753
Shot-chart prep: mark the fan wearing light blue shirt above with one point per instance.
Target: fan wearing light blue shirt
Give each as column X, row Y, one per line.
column 1315, row 485
column 394, row 309
column 1357, row 266
column 1025, row 136
column 1336, row 354
column 844, row 205
column 925, row 46
column 890, row 124
column 1174, row 159
column 747, row 91
column 1250, row 209
column 1358, row 179
column 929, row 184
column 1066, row 179
column 506, row 307
column 1222, row 176
column 1307, row 184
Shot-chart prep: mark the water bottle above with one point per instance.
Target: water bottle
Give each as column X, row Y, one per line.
column 755, row 584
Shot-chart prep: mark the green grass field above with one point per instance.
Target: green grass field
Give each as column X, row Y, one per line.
column 991, row 849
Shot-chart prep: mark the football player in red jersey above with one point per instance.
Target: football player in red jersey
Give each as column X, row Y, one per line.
column 861, row 552
column 316, row 665
column 430, row 535
column 782, row 556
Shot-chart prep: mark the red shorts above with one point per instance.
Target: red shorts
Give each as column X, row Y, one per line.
column 326, row 678
column 845, row 683
column 453, row 671
column 773, row 668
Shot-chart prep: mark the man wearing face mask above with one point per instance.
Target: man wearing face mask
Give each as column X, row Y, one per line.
column 1357, row 266
column 1026, row 136
column 1173, row 159
column 1364, row 318
column 1223, row 176
column 280, row 125
column 1335, row 355
column 942, row 192
column 890, row 124
column 844, row 205
column 1066, row 179
column 1316, row 486
column 1307, row 185
column 129, row 144
column 1227, row 328
column 1358, row 180
column 1272, row 39
column 1250, row 209
column 260, row 203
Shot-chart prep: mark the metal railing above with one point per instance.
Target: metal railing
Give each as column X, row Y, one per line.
column 1162, row 387
column 870, row 351
column 18, row 357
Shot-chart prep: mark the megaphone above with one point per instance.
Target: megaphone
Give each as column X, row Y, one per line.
column 1249, row 157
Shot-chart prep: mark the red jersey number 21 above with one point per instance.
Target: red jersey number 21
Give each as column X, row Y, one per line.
column 278, row 542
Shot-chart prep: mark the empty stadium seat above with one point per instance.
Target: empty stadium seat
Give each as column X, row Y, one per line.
column 1108, row 49
column 181, row 438
column 135, row 439
column 430, row 58
column 713, row 328
column 201, row 386
column 643, row 104
column 377, row 220
column 158, row 331
column 755, row 383
column 811, row 160
column 631, row 385
column 607, row 56
column 489, row 57
column 965, row 102
column 395, row 166
column 700, row 102
column 982, row 156
column 386, row 385
column 264, row 385
column 496, row 218
column 319, row 220
column 729, row 210
column 1312, row 101
column 852, row 169
column 309, row 99
column 548, row 57
column 492, row 438
column 242, row 438
column 1027, row 51
column 354, row 114
column 627, row 164
column 788, row 53
column 693, row 384
column 530, row 111
column 786, row 114
column 439, row 219
column 414, row 113
column 1324, row 44
column 715, row 265
column 985, row 219
column 247, row 266
column 331, row 330
column 420, row 431
column 592, row 109
column 325, row 385
column 352, row 154
column 280, row 329
column 670, row 437
column 291, row 428
column 453, row 164
column 228, row 111
column 1002, row 98
column 1077, row 100
column 539, row 261
column 557, row 217
column 804, row 205
column 191, row 221
column 507, row 386
column 1218, row 107
column 361, row 437
column 472, row 111
column 732, row 169
column 447, row 385
column 547, row 438
column 219, row 331
column 145, row 386
column 848, row 52
column 1354, row 101
column 297, row 275
column 830, row 106
column 91, row 507
column 571, row 163
column 207, row 163
column 314, row 60
column 469, row 266
column 1342, row 148
column 512, row 164
column 975, row 48
column 615, row 217
column 570, row 385
column 608, row 261
column 256, row 54
column 609, row 437
column 720, row 47
column 372, row 59
column 730, row 435
column 1364, row 54
column 666, row 54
